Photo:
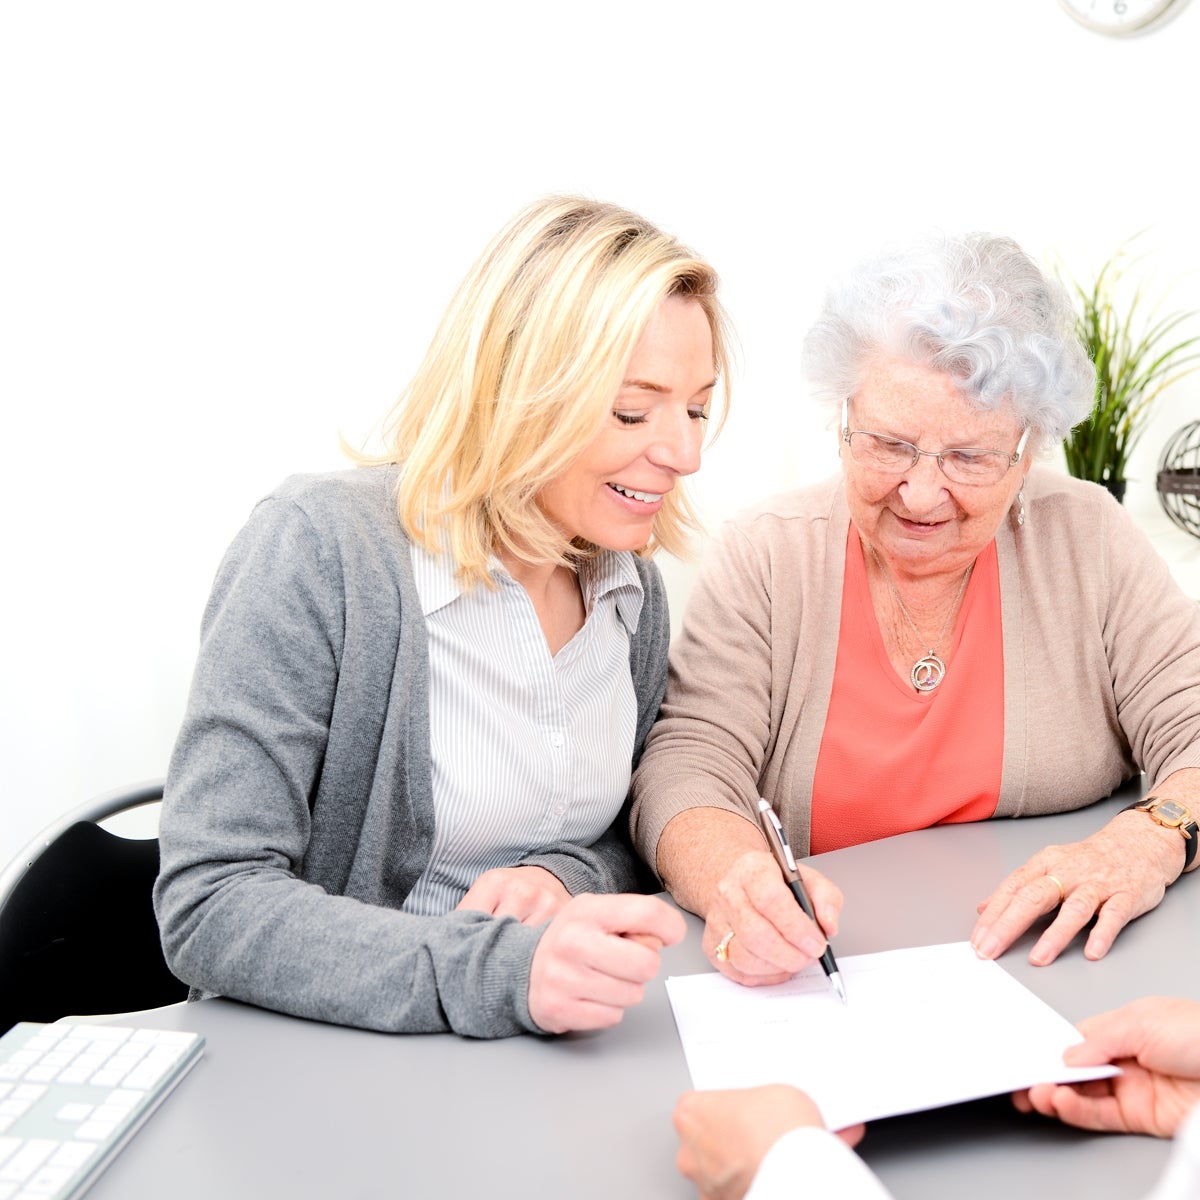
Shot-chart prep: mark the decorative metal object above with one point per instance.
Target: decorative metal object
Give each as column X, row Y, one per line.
column 1179, row 478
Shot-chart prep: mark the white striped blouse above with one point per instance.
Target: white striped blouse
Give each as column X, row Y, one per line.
column 527, row 749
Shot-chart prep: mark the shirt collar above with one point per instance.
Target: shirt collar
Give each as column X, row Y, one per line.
column 609, row 572
column 613, row 572
column 435, row 577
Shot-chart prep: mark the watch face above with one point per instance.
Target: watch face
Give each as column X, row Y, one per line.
column 1120, row 16
column 1167, row 812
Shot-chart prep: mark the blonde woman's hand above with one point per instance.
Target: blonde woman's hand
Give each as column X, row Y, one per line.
column 596, row 957
column 531, row 894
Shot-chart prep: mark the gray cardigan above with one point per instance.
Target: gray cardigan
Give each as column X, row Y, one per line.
column 299, row 810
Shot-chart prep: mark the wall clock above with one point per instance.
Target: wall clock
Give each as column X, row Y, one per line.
column 1121, row 17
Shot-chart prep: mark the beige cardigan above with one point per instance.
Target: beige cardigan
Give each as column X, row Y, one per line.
column 1101, row 661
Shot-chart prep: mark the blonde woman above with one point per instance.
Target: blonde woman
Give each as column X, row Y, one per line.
column 423, row 683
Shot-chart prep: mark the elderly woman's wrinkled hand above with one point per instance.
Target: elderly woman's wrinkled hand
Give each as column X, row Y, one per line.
column 1119, row 873
column 755, row 932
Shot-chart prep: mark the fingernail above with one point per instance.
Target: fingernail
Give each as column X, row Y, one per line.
column 985, row 944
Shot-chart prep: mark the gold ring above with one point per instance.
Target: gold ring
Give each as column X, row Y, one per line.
column 1062, row 891
column 722, row 950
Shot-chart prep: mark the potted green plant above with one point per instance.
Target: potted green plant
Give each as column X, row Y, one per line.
column 1138, row 353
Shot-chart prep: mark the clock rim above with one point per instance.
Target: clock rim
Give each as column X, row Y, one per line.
column 1159, row 12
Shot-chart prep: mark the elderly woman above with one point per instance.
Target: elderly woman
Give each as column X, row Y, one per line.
column 423, row 684
column 942, row 633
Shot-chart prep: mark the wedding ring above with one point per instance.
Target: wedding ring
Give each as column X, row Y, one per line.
column 1062, row 891
column 722, row 951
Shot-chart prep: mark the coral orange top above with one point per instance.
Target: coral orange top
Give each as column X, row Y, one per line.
column 893, row 759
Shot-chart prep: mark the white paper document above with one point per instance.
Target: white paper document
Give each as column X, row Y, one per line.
column 922, row 1028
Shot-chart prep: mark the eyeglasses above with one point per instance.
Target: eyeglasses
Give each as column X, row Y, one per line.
column 961, row 464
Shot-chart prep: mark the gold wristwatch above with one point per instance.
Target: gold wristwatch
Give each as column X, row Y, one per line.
column 1172, row 814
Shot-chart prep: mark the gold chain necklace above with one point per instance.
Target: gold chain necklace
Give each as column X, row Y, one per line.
column 929, row 670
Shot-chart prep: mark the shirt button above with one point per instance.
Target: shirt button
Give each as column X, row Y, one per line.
column 560, row 809
column 557, row 739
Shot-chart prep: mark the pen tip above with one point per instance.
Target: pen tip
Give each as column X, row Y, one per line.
column 839, row 987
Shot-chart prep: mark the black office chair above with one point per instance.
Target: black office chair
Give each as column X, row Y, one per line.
column 77, row 927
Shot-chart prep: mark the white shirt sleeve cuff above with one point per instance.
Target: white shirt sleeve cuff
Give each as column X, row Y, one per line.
column 811, row 1161
column 1181, row 1179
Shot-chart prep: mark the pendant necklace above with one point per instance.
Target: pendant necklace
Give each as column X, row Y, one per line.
column 929, row 670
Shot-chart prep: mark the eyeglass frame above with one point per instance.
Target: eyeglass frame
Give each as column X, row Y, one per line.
column 918, row 453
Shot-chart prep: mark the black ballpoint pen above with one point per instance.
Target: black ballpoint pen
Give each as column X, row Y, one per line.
column 787, row 864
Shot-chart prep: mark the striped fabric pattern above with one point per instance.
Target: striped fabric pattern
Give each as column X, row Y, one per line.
column 527, row 749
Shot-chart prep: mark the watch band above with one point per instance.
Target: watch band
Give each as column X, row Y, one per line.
column 1189, row 830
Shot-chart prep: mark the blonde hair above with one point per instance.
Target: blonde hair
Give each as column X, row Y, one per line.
column 523, row 370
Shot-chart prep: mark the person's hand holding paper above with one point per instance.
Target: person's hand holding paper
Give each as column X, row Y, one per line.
column 1156, row 1043
column 924, row 1028
column 750, row 1141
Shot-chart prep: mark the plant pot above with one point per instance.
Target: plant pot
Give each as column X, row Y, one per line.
column 1117, row 488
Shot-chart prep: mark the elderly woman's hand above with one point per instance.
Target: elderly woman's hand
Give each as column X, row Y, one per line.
column 716, row 864
column 1118, row 873
column 766, row 937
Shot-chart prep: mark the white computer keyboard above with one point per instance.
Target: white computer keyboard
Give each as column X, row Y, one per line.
column 72, row 1094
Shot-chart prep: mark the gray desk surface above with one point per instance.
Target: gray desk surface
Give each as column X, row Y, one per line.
column 289, row 1108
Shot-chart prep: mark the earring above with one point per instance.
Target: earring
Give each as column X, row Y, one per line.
column 1021, row 507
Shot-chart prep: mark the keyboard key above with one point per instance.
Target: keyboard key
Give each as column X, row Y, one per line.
column 48, row 1180
column 148, row 1074
column 72, row 1154
column 75, row 1112
column 29, row 1156
column 101, row 1033
column 95, row 1131
column 124, row 1099
column 106, row 1078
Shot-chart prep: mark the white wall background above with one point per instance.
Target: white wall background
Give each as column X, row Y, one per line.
column 227, row 230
